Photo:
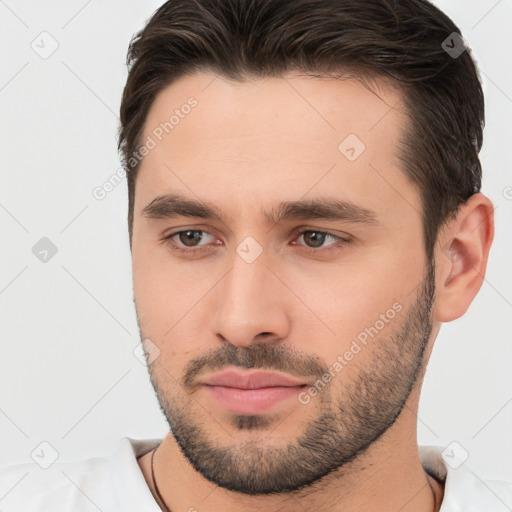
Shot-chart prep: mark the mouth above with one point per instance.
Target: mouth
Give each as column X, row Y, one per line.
column 251, row 392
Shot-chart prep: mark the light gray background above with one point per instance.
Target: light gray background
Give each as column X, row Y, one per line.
column 68, row 374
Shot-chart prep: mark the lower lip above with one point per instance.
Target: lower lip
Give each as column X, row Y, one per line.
column 252, row 401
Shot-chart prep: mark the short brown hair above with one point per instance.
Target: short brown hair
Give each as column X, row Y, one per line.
column 406, row 40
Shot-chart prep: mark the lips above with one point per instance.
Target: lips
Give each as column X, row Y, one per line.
column 251, row 392
column 251, row 380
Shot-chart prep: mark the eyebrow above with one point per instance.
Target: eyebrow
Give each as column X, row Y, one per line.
column 173, row 205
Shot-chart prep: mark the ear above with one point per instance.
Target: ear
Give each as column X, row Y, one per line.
column 461, row 256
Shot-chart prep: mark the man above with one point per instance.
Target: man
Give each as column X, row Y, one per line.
column 304, row 213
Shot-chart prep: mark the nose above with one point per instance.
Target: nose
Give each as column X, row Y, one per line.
column 251, row 304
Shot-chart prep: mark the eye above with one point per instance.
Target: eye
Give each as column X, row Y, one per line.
column 317, row 239
column 189, row 238
column 188, row 241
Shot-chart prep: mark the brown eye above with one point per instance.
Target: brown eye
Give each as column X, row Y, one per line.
column 314, row 241
column 187, row 240
column 190, row 237
column 314, row 238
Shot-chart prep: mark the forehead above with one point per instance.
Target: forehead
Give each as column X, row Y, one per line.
column 289, row 105
column 275, row 137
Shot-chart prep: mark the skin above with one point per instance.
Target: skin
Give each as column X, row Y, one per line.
column 246, row 147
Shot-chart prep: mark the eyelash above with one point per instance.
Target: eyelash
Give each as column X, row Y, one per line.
column 192, row 250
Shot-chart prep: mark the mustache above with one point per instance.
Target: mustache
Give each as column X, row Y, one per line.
column 260, row 356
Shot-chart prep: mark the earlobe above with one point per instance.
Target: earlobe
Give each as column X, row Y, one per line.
column 461, row 259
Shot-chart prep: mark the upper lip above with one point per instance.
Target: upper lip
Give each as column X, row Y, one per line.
column 250, row 379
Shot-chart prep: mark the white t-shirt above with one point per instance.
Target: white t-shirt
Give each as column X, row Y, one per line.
column 116, row 484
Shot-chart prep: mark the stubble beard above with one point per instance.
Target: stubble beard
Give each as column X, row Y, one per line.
column 343, row 429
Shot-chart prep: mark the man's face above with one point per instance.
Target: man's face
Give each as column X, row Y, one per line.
column 343, row 309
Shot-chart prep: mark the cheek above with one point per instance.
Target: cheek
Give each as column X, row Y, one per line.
column 169, row 299
column 159, row 293
column 358, row 302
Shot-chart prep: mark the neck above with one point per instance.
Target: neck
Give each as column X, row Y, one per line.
column 386, row 478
